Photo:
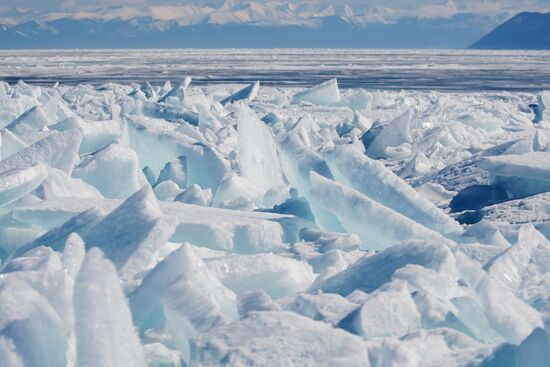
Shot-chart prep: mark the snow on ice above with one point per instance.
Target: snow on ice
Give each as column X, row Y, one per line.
column 145, row 225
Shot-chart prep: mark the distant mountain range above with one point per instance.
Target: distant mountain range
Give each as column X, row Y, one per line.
column 257, row 24
column 525, row 31
column 332, row 31
column 238, row 23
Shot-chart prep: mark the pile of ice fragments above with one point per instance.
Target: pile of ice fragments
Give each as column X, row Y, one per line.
column 178, row 226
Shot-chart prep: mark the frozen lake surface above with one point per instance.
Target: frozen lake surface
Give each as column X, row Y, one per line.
column 444, row 70
column 210, row 222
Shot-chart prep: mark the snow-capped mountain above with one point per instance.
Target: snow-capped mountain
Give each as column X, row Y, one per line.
column 233, row 23
column 231, row 11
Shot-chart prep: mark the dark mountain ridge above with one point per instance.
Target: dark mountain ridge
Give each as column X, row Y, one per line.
column 525, row 31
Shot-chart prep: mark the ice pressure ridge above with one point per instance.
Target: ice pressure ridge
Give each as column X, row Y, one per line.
column 243, row 225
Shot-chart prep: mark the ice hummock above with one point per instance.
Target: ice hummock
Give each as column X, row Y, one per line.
column 294, row 339
column 324, row 94
column 257, row 154
column 153, row 225
column 249, row 93
column 377, row 226
column 382, row 266
column 132, row 233
column 373, row 179
column 391, row 311
column 181, row 292
column 113, row 170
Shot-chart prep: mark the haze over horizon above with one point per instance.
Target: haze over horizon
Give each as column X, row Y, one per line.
column 260, row 12
column 425, row 24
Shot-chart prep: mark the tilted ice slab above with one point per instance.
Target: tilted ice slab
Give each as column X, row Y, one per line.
column 41, row 329
column 177, row 91
column 512, row 318
column 10, row 144
column 233, row 230
column 371, row 272
column 521, row 175
column 59, row 184
column 95, row 134
column 182, row 291
column 31, row 331
column 157, row 142
column 257, row 152
column 13, row 238
column 148, row 90
column 55, row 238
column 324, row 94
column 390, row 311
column 59, row 150
column 145, row 300
column 16, row 182
column 507, row 314
column 248, row 93
column 522, row 267
column 536, row 142
column 373, row 179
column 34, row 119
column 132, row 233
column 168, row 113
column 393, row 134
column 298, row 160
column 377, row 226
column 509, row 266
column 535, row 165
column 419, row 165
column 103, row 324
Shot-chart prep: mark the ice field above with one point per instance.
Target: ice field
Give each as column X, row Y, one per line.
column 181, row 224
column 442, row 70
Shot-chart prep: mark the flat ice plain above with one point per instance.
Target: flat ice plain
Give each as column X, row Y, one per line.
column 207, row 221
column 451, row 70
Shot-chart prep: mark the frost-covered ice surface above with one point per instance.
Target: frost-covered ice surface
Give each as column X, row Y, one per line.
column 473, row 70
column 182, row 225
